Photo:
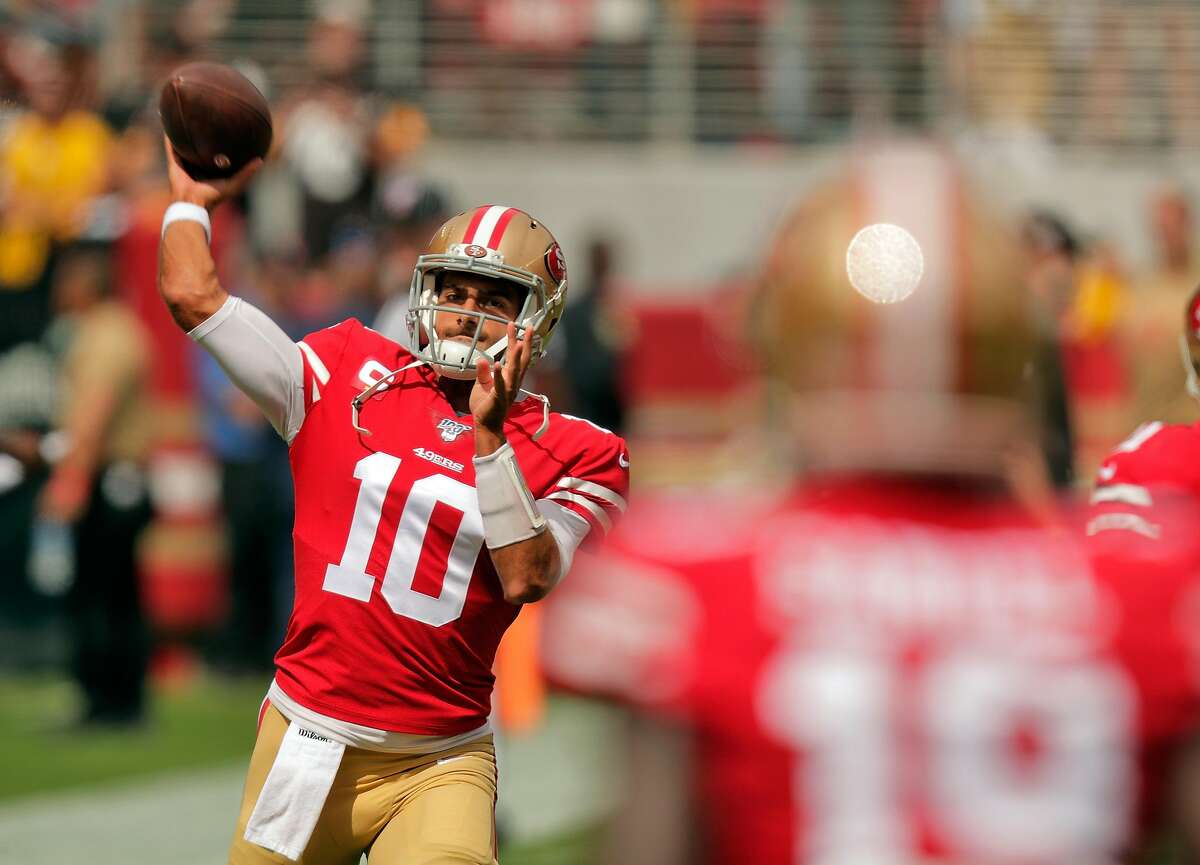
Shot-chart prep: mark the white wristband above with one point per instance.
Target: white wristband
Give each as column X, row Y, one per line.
column 182, row 211
column 505, row 502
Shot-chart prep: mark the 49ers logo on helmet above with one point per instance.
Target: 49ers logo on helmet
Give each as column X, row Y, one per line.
column 476, row 251
column 556, row 263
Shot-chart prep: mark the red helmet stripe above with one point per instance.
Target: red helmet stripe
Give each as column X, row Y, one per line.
column 473, row 225
column 498, row 231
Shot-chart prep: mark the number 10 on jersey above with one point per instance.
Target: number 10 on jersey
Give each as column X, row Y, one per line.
column 409, row 547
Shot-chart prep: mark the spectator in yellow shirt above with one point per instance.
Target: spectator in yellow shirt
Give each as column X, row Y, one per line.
column 54, row 162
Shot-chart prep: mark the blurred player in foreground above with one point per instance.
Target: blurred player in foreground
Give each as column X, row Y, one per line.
column 406, row 461
column 896, row 660
column 1144, row 543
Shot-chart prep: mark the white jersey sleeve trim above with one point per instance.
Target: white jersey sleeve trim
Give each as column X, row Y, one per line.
column 260, row 359
column 319, row 369
column 597, row 511
column 595, row 490
column 568, row 530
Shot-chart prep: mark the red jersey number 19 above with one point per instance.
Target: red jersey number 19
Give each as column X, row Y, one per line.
column 350, row 578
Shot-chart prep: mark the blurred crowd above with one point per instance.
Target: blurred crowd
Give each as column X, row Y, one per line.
column 1093, row 72
column 1115, row 328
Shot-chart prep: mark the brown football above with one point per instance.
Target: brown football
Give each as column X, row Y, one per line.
column 216, row 120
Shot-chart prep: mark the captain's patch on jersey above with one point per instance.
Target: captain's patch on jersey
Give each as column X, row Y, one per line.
column 451, row 429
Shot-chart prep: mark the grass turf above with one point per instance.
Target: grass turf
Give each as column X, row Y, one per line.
column 206, row 724
column 209, row 723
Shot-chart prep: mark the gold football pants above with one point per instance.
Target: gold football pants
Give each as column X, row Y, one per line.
column 432, row 809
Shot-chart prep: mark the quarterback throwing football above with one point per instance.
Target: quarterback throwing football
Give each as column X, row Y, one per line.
column 407, row 461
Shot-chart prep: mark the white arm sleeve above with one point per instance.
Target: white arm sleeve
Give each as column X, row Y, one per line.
column 568, row 530
column 260, row 359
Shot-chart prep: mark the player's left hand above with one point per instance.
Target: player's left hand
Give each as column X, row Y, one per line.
column 495, row 390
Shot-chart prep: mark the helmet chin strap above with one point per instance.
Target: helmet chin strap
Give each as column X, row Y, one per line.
column 357, row 403
column 545, row 401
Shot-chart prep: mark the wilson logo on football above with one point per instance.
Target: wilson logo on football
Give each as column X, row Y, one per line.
column 451, row 429
column 556, row 263
column 476, row 251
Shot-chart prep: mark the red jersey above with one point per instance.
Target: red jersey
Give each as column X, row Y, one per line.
column 872, row 673
column 398, row 609
column 1143, row 537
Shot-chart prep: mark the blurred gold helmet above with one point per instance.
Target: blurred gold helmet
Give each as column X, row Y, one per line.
column 502, row 243
column 935, row 383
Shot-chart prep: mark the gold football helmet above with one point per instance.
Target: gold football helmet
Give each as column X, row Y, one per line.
column 937, row 382
column 496, row 241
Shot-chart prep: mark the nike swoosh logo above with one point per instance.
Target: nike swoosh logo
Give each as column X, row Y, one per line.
column 1107, row 473
column 623, row 461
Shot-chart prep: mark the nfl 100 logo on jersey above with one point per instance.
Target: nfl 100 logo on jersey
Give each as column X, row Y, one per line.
column 452, row 429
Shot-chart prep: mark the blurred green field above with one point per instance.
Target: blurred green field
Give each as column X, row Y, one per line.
column 207, row 724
